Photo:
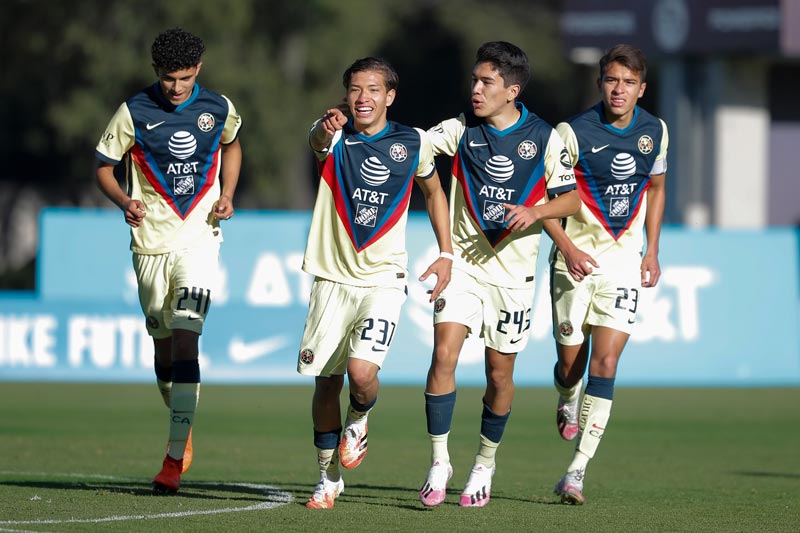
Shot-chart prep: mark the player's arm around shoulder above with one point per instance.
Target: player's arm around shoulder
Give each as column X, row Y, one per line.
column 445, row 136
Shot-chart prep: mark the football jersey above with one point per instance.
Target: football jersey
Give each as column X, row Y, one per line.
column 612, row 169
column 172, row 164
column 358, row 228
column 521, row 165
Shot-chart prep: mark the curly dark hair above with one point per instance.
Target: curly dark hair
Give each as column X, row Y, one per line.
column 176, row 49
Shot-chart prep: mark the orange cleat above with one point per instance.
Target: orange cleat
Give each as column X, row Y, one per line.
column 169, row 479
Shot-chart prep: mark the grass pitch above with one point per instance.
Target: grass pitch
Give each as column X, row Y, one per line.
column 79, row 457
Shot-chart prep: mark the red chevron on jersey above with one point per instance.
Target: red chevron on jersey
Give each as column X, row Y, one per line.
column 158, row 182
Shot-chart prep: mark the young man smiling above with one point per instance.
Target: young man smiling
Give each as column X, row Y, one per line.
column 177, row 139
column 509, row 173
column 356, row 251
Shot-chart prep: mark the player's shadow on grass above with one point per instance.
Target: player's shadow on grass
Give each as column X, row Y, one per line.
column 222, row 491
column 366, row 494
column 786, row 475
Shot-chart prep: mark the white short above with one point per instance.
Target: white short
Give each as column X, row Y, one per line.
column 175, row 288
column 346, row 321
column 501, row 315
column 607, row 300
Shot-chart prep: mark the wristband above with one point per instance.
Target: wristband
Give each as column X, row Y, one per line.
column 447, row 255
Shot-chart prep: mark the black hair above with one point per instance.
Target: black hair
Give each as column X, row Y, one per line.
column 626, row 55
column 377, row 64
column 176, row 49
column 509, row 61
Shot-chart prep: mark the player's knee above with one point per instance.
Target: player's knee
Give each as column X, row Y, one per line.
column 362, row 376
column 444, row 359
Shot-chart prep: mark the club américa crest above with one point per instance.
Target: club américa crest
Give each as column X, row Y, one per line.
column 645, row 144
column 205, row 122
column 565, row 328
column 306, row 356
column 439, row 304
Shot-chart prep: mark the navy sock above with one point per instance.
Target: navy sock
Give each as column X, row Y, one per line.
column 439, row 412
column 600, row 387
column 492, row 424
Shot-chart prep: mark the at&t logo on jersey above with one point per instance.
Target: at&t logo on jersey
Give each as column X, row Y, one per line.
column 500, row 168
column 182, row 144
column 373, row 172
column 623, row 166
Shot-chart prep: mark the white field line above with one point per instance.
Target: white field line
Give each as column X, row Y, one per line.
column 277, row 497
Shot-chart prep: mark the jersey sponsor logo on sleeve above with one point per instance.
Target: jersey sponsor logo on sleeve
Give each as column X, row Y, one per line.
column 565, row 159
column 154, row 126
column 596, row 149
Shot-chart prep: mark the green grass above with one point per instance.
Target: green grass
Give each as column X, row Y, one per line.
column 671, row 460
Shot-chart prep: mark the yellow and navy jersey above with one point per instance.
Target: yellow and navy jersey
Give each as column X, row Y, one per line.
column 613, row 168
column 172, row 156
column 358, row 228
column 524, row 164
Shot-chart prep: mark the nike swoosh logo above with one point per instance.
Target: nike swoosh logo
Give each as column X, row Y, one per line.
column 153, row 126
column 515, row 341
column 348, row 142
column 473, row 144
column 595, row 426
column 596, row 149
column 244, row 352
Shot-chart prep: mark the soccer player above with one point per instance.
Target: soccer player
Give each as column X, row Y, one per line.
column 619, row 151
column 509, row 172
column 356, row 251
column 177, row 139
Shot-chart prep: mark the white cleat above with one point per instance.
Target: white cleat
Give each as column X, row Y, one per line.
column 325, row 493
column 434, row 490
column 567, row 418
column 479, row 487
column 570, row 487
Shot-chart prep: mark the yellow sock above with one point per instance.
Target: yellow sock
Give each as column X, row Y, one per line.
column 486, row 452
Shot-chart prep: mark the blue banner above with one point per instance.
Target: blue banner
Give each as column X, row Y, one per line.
column 724, row 313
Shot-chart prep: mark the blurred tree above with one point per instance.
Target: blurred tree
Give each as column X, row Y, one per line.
column 280, row 62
